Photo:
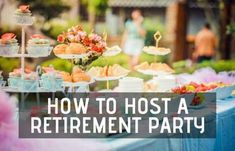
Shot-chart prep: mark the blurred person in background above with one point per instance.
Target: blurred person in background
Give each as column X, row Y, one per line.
column 133, row 37
column 205, row 44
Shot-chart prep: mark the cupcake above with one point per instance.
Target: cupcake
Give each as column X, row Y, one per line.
column 29, row 83
column 23, row 15
column 38, row 45
column 8, row 44
column 14, row 78
column 51, row 79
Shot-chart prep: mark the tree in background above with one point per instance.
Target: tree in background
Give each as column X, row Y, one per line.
column 94, row 8
column 226, row 18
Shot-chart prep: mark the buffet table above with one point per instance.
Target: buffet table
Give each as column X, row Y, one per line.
column 224, row 141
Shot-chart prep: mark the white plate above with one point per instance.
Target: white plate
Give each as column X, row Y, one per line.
column 106, row 91
column 112, row 51
column 71, row 56
column 109, row 78
column 78, row 84
column 153, row 72
column 19, row 55
column 155, row 51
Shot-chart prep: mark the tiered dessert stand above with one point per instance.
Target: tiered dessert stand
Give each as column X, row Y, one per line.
column 110, row 51
column 81, row 86
column 25, row 21
column 84, row 86
column 156, row 51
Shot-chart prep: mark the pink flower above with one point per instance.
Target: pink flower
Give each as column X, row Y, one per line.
column 94, row 37
column 82, row 34
column 6, row 110
column 102, row 44
column 71, row 38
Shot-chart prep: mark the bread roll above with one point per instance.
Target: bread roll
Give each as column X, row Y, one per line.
column 76, row 69
column 60, row 49
column 66, row 76
column 78, row 77
column 75, row 48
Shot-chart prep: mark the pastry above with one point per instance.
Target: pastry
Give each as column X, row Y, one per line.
column 94, row 71
column 142, row 66
column 66, row 76
column 76, row 69
column 108, row 71
column 78, row 77
column 154, row 67
column 161, row 67
column 117, row 70
column 75, row 48
column 60, row 49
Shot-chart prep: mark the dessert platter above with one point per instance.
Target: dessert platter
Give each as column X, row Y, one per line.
column 154, row 69
column 221, row 89
column 112, row 51
column 156, row 50
column 77, row 78
column 108, row 73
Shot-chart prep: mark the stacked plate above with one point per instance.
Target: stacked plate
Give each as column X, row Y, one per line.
column 131, row 84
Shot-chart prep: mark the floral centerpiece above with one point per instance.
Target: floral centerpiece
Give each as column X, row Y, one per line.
column 78, row 42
